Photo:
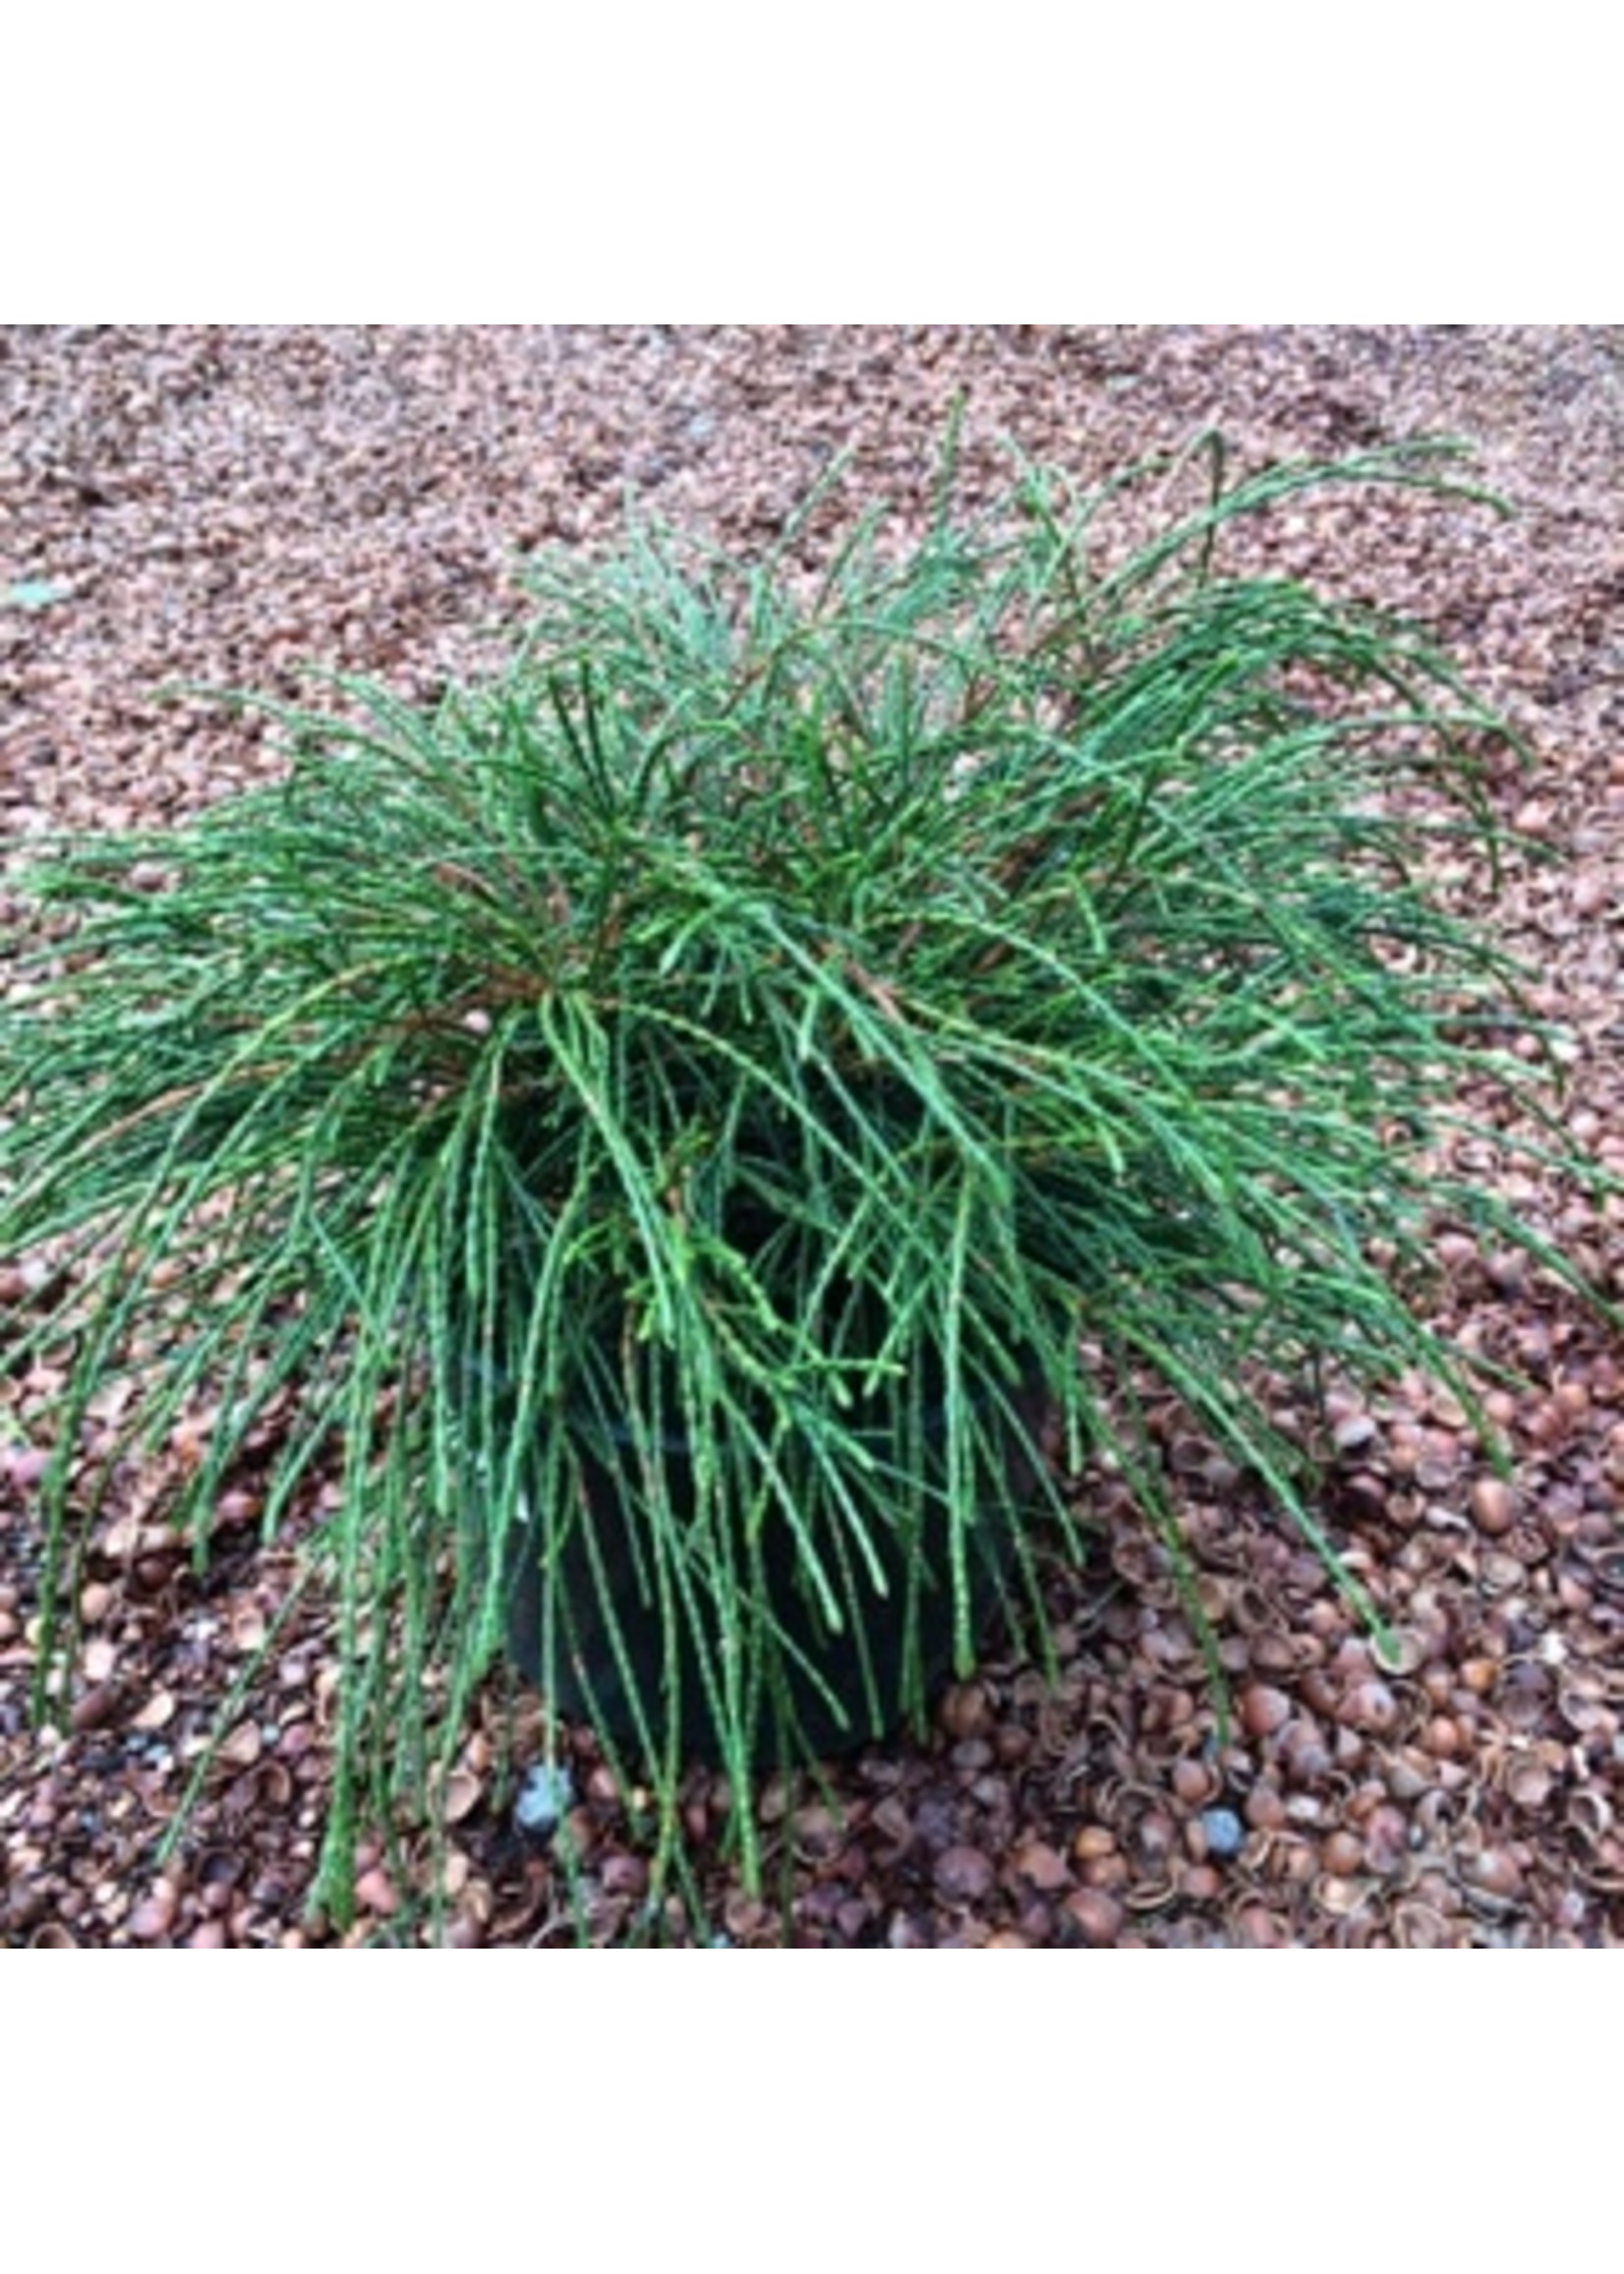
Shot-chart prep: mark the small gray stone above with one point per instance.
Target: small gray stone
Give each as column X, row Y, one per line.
column 545, row 1798
column 1225, row 1834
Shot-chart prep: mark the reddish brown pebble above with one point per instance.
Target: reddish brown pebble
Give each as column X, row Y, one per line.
column 1264, row 1808
column 1338, row 1898
column 1107, row 1871
column 1193, row 1781
column 1529, row 1782
column 1386, row 1838
column 1493, row 1505
column 624, row 1875
column 966, row 1711
column 853, row 1917
column 1038, row 1862
column 1495, row 1872
column 1259, row 1928
column 964, row 1875
column 96, row 1708
column 817, row 1832
column 1343, row 1854
column 1369, row 1704
column 1263, row 1710
column 1591, row 893
column 1096, row 1917
column 152, row 1917
column 744, row 1916
column 375, row 1890
column 296, row 1741
column 25, row 1464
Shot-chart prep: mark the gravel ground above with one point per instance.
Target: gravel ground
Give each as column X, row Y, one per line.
column 227, row 506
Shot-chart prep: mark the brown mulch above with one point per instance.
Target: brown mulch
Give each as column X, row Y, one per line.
column 208, row 506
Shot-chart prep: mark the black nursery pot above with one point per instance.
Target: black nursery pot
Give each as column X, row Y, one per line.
column 593, row 1679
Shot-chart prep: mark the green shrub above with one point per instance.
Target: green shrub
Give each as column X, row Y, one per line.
column 776, row 1019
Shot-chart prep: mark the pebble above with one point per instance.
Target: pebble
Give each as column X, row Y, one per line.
column 1372, row 1706
column 1493, row 1505
column 1040, row 1864
column 623, row 1874
column 544, row 1799
column 152, row 1917
column 964, row 1875
column 1497, row 1872
column 1095, row 1916
column 1263, row 1710
column 375, row 1890
column 1225, row 1832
